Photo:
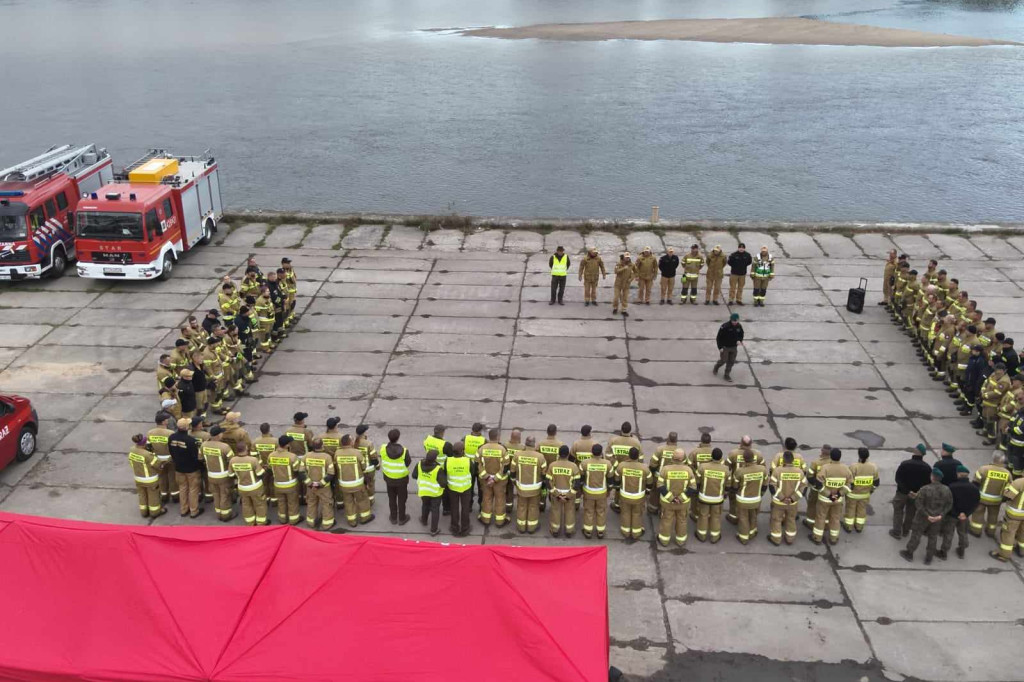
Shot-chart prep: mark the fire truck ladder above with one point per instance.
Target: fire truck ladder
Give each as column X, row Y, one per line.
column 59, row 158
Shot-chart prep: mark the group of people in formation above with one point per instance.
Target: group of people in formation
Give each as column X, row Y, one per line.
column 981, row 369
column 647, row 268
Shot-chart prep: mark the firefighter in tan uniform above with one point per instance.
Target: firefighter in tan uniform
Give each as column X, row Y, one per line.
column 512, row 448
column 833, row 482
column 300, row 434
column 676, row 483
column 157, row 439
column 713, row 275
column 528, row 468
column 735, row 460
column 216, row 455
column 363, row 443
column 787, row 484
column 993, row 389
column 591, row 266
column 1008, row 407
column 549, row 447
column 596, row 472
column 234, row 434
column 618, row 451
column 319, row 467
column 811, row 471
column 1012, row 530
column 632, row 479
column 215, row 376
column 331, row 441
column 646, row 271
column 991, row 480
column 350, row 464
column 749, row 482
column 262, row 447
column 712, row 486
column 789, row 444
column 493, row 474
column 146, row 470
column 865, row 480
column 625, row 271
column 693, row 262
column 563, row 481
column 265, row 316
column 286, row 466
column 580, row 451
column 248, row 473
column 662, row 455
column 700, row 453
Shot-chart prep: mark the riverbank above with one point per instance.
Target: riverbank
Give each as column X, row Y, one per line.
column 769, row 30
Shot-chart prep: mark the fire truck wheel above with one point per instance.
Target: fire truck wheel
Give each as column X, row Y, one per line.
column 58, row 263
column 208, row 229
column 168, row 267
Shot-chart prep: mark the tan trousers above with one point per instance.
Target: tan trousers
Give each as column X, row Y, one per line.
column 357, row 505
column 812, row 508
column 631, row 517
column 712, row 287
column 643, row 292
column 287, row 504
column 562, row 511
column 168, row 479
column 829, row 513
column 1012, row 531
column 689, row 287
column 188, row 485
column 736, row 284
column 746, row 522
column 709, row 521
column 673, row 522
column 668, row 286
column 590, row 290
column 783, row 519
column 527, row 513
column 149, row 499
column 856, row 515
column 493, row 502
column 254, row 507
column 221, row 488
column 320, row 504
column 595, row 513
column 621, row 300
column 986, row 517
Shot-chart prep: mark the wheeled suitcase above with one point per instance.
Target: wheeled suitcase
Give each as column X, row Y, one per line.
column 855, row 299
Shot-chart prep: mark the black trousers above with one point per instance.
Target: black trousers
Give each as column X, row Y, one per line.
column 461, row 503
column 557, row 287
column 398, row 495
column 431, row 510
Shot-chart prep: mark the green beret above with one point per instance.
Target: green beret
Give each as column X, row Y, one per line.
column 734, row 316
column 936, row 471
column 961, row 469
column 921, row 448
column 948, row 448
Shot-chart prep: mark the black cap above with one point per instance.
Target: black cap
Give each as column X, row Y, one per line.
column 216, row 430
column 990, row 320
column 197, row 420
column 284, row 440
column 361, row 429
column 332, row 422
column 1008, row 342
column 213, row 311
column 286, row 260
column 180, row 342
column 299, row 416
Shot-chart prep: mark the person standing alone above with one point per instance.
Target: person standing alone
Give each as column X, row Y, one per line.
column 739, row 261
column 729, row 335
column 559, row 264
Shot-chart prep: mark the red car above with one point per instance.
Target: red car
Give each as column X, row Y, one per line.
column 19, row 425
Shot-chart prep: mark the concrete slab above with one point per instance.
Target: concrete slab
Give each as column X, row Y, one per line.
column 727, row 240
column 55, row 377
column 244, row 235
column 103, row 437
column 798, row 633
column 324, row 362
column 443, row 240
column 874, row 245
column 921, row 650
column 523, row 241
column 427, row 388
column 166, row 302
column 82, row 504
column 641, row 663
column 705, row 399
column 448, row 364
column 570, row 240
column 648, row 373
column 608, row 245
column 285, row 236
column 537, row 416
column 825, row 352
column 387, row 260
column 918, row 246
column 405, row 238
column 755, row 240
column 638, row 615
column 818, row 376
column 590, row 369
column 995, row 248
column 956, row 247
column 760, row 578
column 724, row 428
column 8, row 355
column 555, row 347
column 457, row 413
column 67, row 407
column 22, row 335
column 475, row 278
column 676, row 351
column 299, row 385
column 504, row 294
column 850, row 433
column 587, row 392
column 834, row 403
column 45, row 299
column 363, row 237
column 323, row 237
column 356, row 306
column 799, row 331
column 482, row 309
column 642, row 329
column 130, row 337
column 571, row 329
column 391, row 324
column 363, row 290
column 889, row 594
column 380, row 276
column 838, row 246
column 125, row 408
column 278, row 411
column 466, row 326
column 446, row 343
column 799, row 245
column 484, row 240
column 139, row 382
column 637, row 241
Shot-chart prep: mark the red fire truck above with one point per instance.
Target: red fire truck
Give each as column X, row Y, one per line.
column 138, row 226
column 38, row 198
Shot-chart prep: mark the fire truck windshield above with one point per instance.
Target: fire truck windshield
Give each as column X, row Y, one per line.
column 101, row 225
column 12, row 228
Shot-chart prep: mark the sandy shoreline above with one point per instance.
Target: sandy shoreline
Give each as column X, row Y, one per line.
column 775, row 30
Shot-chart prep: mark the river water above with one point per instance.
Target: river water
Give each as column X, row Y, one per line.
column 350, row 105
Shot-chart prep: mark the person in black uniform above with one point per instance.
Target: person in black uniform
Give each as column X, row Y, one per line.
column 729, row 336
column 184, row 451
column 911, row 475
column 966, row 498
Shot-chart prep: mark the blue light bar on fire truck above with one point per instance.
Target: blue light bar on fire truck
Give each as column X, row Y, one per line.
column 11, row 193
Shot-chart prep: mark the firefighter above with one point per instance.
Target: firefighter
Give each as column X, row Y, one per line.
column 157, row 440
column 625, row 271
column 235, row 434
column 215, row 375
column 865, row 481
column 262, row 447
column 291, row 286
column 832, row 482
column 618, row 451
column 471, row 445
column 563, row 481
column 350, row 465
column 164, row 370
column 363, row 443
column 179, row 359
column 300, row 434
column 676, row 483
column 512, row 447
column 786, row 484
column 824, row 457
column 789, row 444
column 735, row 460
column 216, row 456
column 595, row 472
column 229, row 303
column 248, row 472
column 319, row 468
column 549, row 447
column 762, row 274
column 265, row 316
column 991, row 480
column 185, row 454
column 699, row 454
column 662, row 455
column 632, row 479
column 712, row 485
column 646, row 269
column 749, row 482
column 693, row 262
column 286, row 466
column 435, row 443
column 713, row 276
column 330, row 440
column 591, row 266
column 1012, row 530
column 146, row 470
column 993, row 389
column 493, row 475
column 1008, row 407
column 528, row 469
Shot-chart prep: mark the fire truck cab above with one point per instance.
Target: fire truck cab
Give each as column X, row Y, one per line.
column 158, row 208
column 38, row 199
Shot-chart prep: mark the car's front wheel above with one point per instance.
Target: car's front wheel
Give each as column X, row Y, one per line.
column 26, row 444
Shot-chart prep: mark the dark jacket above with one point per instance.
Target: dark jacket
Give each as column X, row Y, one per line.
column 966, row 497
column 668, row 265
column 198, row 378
column 442, row 477
column 184, row 452
column 974, row 374
column 739, row 262
column 394, row 450
column 186, row 395
column 729, row 335
column 1009, row 358
column 948, row 465
column 912, row 474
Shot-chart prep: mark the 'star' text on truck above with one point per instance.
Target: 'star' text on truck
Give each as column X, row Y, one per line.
column 38, row 199
column 138, row 226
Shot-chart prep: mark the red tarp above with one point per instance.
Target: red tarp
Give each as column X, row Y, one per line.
column 84, row 601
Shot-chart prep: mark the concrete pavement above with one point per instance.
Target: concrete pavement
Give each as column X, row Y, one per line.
column 404, row 329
